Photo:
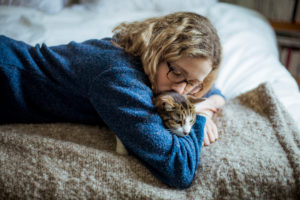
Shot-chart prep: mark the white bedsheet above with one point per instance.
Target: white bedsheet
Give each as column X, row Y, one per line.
column 250, row 54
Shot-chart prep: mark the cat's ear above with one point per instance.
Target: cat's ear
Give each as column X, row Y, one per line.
column 194, row 99
column 168, row 103
column 167, row 106
column 165, row 103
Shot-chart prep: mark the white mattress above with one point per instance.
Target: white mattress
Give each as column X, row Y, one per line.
column 250, row 54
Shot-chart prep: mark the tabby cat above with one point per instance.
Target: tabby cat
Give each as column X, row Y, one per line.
column 177, row 112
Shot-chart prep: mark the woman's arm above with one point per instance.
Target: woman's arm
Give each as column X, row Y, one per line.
column 215, row 100
column 210, row 106
column 124, row 102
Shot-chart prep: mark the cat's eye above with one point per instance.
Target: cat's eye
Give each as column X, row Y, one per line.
column 177, row 121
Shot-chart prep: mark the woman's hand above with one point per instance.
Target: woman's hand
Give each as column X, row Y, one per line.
column 210, row 132
column 208, row 108
column 210, row 129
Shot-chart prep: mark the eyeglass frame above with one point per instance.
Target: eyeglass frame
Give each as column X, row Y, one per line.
column 200, row 84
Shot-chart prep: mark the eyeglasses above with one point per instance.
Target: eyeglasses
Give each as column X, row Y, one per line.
column 177, row 77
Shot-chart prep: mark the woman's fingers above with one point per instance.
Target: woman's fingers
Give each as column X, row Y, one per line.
column 188, row 89
column 210, row 132
column 215, row 130
column 205, row 140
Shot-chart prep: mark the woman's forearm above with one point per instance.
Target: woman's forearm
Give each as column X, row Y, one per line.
column 210, row 106
column 217, row 100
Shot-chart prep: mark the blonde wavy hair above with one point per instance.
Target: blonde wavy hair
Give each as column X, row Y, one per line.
column 169, row 38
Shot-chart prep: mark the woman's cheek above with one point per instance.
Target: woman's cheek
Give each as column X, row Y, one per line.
column 163, row 85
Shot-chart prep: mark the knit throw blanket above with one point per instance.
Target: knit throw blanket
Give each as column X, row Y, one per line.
column 257, row 156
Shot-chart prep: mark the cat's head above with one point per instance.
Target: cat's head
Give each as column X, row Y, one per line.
column 177, row 111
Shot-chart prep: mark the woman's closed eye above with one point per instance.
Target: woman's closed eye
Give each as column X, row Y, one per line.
column 175, row 71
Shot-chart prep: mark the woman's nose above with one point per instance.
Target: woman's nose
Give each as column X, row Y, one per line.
column 179, row 87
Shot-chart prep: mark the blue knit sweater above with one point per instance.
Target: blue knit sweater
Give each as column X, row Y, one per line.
column 95, row 82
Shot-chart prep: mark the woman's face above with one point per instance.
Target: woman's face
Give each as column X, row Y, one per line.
column 176, row 75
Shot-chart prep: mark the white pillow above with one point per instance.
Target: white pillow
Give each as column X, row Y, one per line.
column 250, row 56
column 145, row 5
column 49, row 6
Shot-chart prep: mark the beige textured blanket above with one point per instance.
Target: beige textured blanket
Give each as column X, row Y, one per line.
column 256, row 157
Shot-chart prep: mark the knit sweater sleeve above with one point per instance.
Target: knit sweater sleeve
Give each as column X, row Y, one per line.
column 214, row 91
column 123, row 101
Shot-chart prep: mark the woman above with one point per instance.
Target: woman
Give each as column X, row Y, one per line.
column 112, row 81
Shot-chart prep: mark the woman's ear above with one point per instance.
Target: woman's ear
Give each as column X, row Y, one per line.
column 194, row 99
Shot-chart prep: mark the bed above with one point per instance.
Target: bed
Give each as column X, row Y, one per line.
column 256, row 157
